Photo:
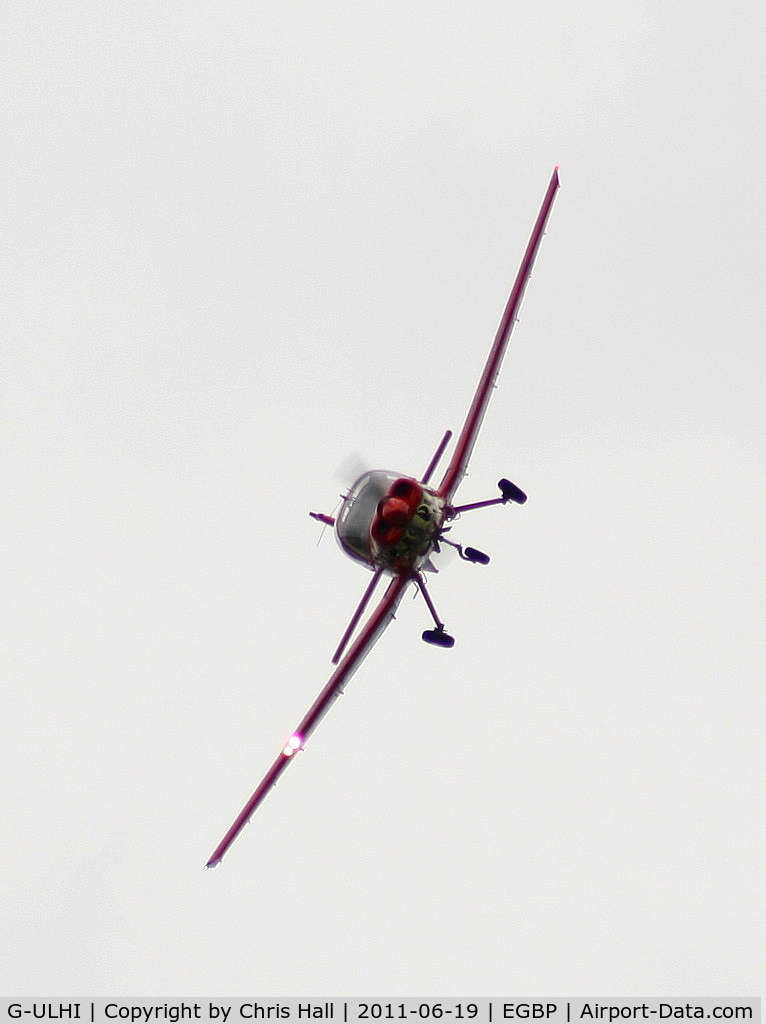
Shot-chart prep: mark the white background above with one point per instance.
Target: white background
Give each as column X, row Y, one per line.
column 245, row 241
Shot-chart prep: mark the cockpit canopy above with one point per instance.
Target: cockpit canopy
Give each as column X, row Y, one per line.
column 352, row 526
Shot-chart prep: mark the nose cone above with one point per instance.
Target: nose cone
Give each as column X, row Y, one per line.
column 395, row 511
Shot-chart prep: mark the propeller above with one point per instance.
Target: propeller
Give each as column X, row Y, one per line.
column 351, row 468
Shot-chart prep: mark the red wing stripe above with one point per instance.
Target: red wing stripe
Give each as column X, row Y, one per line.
column 457, row 467
column 377, row 622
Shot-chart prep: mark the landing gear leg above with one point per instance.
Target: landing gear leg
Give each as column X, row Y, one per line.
column 508, row 492
column 467, row 554
column 438, row 636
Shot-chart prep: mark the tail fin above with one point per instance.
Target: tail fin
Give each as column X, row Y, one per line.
column 436, row 457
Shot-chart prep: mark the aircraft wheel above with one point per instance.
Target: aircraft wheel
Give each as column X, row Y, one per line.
column 439, row 638
column 511, row 492
column 472, row 555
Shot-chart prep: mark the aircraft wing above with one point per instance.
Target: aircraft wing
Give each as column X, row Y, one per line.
column 375, row 625
column 458, row 465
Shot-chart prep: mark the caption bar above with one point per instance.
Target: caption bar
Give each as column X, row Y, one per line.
column 349, row 1011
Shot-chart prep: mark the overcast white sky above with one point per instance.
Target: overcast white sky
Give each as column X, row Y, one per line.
column 244, row 241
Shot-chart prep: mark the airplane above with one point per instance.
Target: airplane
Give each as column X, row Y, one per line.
column 392, row 524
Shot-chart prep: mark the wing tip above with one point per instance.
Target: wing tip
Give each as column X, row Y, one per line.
column 213, row 863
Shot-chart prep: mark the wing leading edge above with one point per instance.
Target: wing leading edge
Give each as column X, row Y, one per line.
column 375, row 625
column 459, row 463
